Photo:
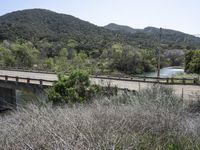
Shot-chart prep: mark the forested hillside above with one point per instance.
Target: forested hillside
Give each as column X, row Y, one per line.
column 62, row 42
column 39, row 24
column 148, row 37
column 121, row 28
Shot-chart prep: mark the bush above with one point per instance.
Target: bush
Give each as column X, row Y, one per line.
column 104, row 124
column 192, row 61
column 71, row 89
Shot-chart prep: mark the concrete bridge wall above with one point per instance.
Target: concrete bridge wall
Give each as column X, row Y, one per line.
column 7, row 98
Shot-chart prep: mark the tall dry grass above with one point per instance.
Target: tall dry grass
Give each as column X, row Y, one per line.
column 152, row 119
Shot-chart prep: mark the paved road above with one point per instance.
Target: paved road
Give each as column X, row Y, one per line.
column 189, row 91
column 32, row 75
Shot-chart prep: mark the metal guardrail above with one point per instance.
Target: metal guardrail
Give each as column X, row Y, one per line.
column 183, row 81
column 25, row 80
column 139, row 79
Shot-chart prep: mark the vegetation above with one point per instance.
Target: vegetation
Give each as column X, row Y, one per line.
column 151, row 119
column 192, row 61
column 118, row 58
column 175, row 57
column 149, row 37
column 133, row 61
column 72, row 89
column 187, row 75
column 77, row 88
column 18, row 55
column 39, row 25
column 48, row 40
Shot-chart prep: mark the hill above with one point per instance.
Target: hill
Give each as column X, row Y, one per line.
column 39, row 24
column 46, row 39
column 36, row 24
column 149, row 36
column 122, row 28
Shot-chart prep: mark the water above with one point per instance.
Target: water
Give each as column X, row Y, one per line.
column 166, row 72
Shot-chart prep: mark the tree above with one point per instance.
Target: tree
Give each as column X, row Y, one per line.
column 192, row 61
column 80, row 60
column 6, row 57
column 71, row 44
column 25, row 54
column 188, row 58
column 128, row 61
column 74, row 88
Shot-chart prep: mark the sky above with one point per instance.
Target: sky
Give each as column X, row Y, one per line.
column 182, row 15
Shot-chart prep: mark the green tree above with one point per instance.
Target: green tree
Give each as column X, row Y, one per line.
column 129, row 61
column 71, row 52
column 6, row 57
column 192, row 61
column 25, row 54
column 80, row 60
column 188, row 58
column 148, row 60
column 48, row 63
column 70, row 89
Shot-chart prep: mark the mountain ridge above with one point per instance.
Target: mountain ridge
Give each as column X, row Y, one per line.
column 150, row 34
column 128, row 29
column 125, row 28
column 39, row 24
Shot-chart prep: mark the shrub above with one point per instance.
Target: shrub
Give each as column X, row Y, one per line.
column 71, row 89
column 104, row 124
column 192, row 61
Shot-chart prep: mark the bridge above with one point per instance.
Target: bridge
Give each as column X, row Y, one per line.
column 36, row 81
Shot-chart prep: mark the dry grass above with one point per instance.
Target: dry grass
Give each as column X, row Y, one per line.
column 152, row 119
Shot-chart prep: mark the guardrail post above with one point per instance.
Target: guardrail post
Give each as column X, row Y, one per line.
column 172, row 80
column 6, row 78
column 17, row 79
column 195, row 80
column 167, row 80
column 41, row 82
column 28, row 80
column 183, row 80
column 144, row 79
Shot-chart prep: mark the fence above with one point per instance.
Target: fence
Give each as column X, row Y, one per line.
column 26, row 80
column 183, row 81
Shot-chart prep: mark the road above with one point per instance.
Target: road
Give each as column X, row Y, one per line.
column 32, row 75
column 187, row 91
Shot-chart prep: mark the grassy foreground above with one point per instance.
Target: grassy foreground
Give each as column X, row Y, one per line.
column 152, row 119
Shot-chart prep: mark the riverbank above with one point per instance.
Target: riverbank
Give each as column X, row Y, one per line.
column 187, row 75
column 166, row 72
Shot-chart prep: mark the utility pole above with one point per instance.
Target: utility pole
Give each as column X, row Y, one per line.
column 158, row 54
